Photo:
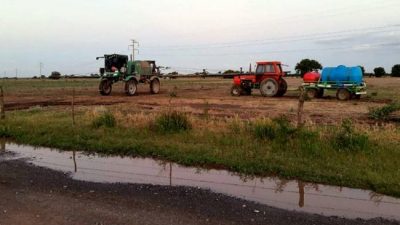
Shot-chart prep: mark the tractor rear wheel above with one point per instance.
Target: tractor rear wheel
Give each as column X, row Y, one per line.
column 130, row 87
column 105, row 87
column 236, row 90
column 269, row 87
column 282, row 88
column 343, row 94
column 155, row 86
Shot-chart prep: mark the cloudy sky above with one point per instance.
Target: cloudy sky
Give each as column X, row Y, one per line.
column 67, row 35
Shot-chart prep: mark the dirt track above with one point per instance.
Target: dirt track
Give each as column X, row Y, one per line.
column 198, row 95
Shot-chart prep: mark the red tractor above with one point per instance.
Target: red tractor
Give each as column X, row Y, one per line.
column 268, row 78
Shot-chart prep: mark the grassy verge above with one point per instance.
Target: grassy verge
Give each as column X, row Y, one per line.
column 347, row 155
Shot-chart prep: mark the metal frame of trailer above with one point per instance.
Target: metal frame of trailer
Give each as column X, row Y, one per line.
column 346, row 90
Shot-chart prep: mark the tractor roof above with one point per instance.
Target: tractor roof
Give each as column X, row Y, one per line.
column 268, row 62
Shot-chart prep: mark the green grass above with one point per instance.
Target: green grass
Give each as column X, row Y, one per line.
column 384, row 112
column 341, row 155
column 29, row 85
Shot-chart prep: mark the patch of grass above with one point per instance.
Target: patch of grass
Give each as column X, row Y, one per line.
column 307, row 154
column 172, row 122
column 383, row 113
column 106, row 119
column 4, row 131
column 278, row 128
column 347, row 139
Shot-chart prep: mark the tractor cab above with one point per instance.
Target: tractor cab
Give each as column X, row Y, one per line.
column 269, row 68
column 113, row 64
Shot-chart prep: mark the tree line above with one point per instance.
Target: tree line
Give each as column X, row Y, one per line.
column 308, row 65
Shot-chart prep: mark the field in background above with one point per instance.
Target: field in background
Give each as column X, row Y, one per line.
column 196, row 95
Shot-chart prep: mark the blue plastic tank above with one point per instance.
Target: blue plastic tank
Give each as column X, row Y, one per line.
column 342, row 75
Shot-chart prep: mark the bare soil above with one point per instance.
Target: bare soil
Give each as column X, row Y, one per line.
column 199, row 96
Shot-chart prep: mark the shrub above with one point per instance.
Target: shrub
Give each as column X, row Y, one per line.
column 4, row 132
column 172, row 122
column 55, row 75
column 106, row 119
column 347, row 139
column 384, row 112
column 396, row 70
column 279, row 128
column 379, row 72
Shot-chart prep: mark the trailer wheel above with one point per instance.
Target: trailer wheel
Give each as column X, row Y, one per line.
column 269, row 87
column 282, row 88
column 236, row 90
column 320, row 93
column 130, row 87
column 105, row 87
column 311, row 93
column 343, row 94
column 355, row 96
column 155, row 86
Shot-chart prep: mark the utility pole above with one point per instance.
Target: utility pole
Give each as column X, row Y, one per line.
column 40, row 68
column 16, row 73
column 133, row 45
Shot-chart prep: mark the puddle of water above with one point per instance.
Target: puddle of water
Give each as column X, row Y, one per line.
column 284, row 194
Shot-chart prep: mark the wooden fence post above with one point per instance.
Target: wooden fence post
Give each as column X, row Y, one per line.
column 2, row 110
column 300, row 108
column 73, row 107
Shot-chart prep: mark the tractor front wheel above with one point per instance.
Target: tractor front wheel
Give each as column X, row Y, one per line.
column 269, row 87
column 236, row 90
column 130, row 87
column 343, row 94
column 105, row 87
column 155, row 86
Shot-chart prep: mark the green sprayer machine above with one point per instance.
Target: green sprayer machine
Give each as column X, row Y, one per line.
column 120, row 68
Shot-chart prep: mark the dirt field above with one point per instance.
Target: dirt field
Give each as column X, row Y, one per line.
column 200, row 96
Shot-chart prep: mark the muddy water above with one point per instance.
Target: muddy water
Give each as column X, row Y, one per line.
column 284, row 194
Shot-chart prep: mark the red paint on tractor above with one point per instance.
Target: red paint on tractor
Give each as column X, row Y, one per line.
column 268, row 78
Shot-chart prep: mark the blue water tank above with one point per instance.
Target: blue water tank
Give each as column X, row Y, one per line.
column 342, row 75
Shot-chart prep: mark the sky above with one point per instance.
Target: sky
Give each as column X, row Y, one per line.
column 188, row 36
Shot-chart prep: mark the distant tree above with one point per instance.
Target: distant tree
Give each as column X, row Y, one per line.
column 396, row 70
column 55, row 75
column 173, row 73
column 362, row 70
column 231, row 71
column 379, row 72
column 307, row 65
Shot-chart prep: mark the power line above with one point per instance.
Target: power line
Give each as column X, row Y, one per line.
column 312, row 36
column 323, row 13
